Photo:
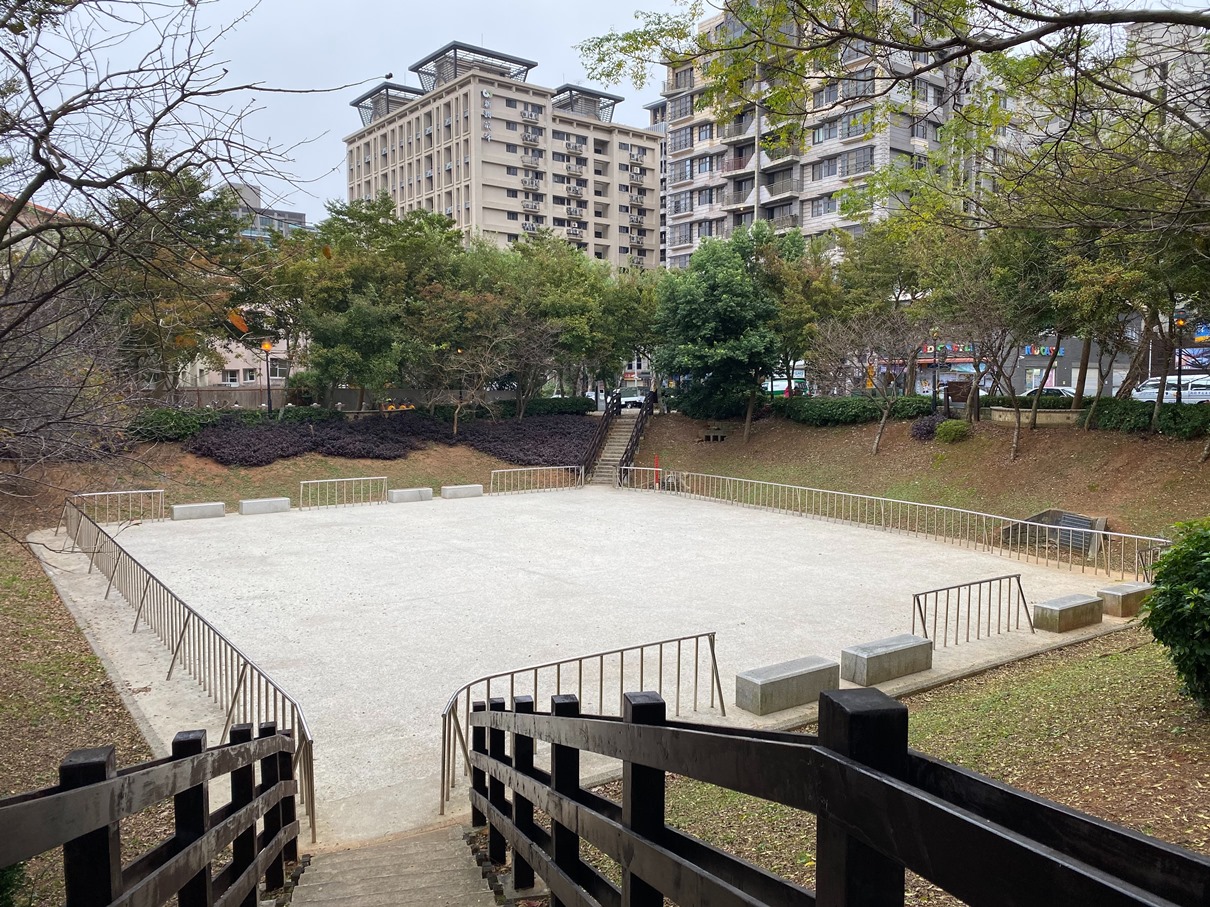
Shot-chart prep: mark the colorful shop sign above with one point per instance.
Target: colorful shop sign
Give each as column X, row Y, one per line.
column 1032, row 350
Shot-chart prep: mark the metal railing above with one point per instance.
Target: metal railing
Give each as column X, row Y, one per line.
column 1113, row 554
column 659, row 665
column 1000, row 596
column 105, row 507
column 230, row 678
column 536, row 478
column 342, row 492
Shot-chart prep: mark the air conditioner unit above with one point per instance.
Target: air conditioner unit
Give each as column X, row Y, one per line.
column 573, row 211
column 636, row 218
column 367, row 158
column 487, row 136
column 529, row 205
column 574, row 146
column 428, row 130
column 448, row 120
column 449, row 211
column 429, row 173
column 531, row 115
column 575, row 190
column 529, row 182
column 635, row 156
column 529, row 227
column 449, row 165
column 384, row 152
column 486, row 93
column 530, row 138
column 487, row 114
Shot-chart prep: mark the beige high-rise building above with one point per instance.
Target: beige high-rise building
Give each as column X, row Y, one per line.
column 502, row 157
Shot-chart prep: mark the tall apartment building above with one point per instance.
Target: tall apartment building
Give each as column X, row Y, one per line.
column 720, row 175
column 503, row 157
column 260, row 221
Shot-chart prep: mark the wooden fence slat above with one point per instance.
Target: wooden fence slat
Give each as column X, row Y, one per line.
column 243, row 790
column 92, row 862
column 270, row 771
column 191, row 810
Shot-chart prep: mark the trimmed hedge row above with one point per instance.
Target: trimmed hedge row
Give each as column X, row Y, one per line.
column 824, row 411
column 168, row 424
column 1179, row 420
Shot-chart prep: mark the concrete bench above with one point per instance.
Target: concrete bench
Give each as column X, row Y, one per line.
column 1069, row 612
column 198, row 511
column 886, row 659
column 263, row 505
column 406, row 495
column 783, row 686
column 1124, row 599
column 461, row 491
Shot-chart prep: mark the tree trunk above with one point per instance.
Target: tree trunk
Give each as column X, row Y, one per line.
column 457, row 412
column 888, row 404
column 1135, row 371
column 1162, row 390
column 909, row 383
column 1050, row 365
column 1085, row 354
column 748, row 415
column 1205, row 452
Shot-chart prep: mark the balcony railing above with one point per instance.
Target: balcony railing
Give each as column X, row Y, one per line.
column 575, row 168
column 577, row 191
column 736, row 130
column 785, row 221
column 736, row 165
column 671, row 86
column 781, row 187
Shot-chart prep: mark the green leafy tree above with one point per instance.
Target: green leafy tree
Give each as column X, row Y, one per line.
column 714, row 327
column 1178, row 612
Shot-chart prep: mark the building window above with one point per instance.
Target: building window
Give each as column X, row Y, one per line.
column 680, row 107
column 860, row 84
column 705, row 132
column 511, row 102
column 512, row 215
column 279, row 368
column 680, row 234
column 824, row 131
column 705, row 164
column 823, row 169
column 251, row 375
column 826, row 96
column 510, row 193
column 680, row 170
column 510, row 148
column 855, row 123
column 823, row 206
column 680, row 139
column 511, row 171
column 510, row 126
column 705, row 196
column 230, row 376
column 860, row 160
column 680, row 202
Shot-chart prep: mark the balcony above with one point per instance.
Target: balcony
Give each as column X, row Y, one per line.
column 674, row 85
column 735, row 131
column 531, row 138
column 736, row 198
column 638, row 156
column 529, row 227
column 737, row 165
column 577, row 191
column 575, row 168
column 573, row 211
column 528, row 160
column 638, row 219
column 575, row 232
column 785, row 221
column 783, row 153
column 531, row 115
column 783, row 186
column 636, row 240
column 637, row 177
column 530, row 183
column 530, row 205
column 574, row 147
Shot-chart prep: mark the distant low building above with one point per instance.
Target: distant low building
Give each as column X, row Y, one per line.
column 261, row 222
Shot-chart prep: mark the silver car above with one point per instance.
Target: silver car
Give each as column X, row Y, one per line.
column 1194, row 389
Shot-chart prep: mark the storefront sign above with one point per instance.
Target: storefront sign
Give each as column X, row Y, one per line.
column 1047, row 351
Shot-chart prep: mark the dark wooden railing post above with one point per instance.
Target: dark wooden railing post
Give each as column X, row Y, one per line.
column 289, row 812
column 191, row 811
column 523, row 810
column 270, row 769
column 565, row 780
column 478, row 776
column 243, row 792
column 92, row 863
column 868, row 727
column 496, row 850
column 642, row 797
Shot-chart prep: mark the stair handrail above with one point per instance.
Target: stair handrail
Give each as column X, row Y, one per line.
column 613, row 409
column 636, row 434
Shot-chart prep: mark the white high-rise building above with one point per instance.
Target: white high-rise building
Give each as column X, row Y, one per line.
column 503, row 157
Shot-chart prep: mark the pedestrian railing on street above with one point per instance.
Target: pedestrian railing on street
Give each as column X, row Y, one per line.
column 342, row 492
column 1114, row 554
column 536, row 478
column 107, row 507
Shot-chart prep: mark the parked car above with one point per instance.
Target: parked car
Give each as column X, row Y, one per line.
column 633, row 397
column 1051, row 392
column 1194, row 389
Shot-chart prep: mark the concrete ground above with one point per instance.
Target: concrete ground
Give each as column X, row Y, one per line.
column 372, row 616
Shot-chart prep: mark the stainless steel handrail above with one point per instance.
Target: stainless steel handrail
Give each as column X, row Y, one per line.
column 342, row 492
column 1114, row 553
column 225, row 672
column 142, row 505
column 528, row 681
column 536, row 478
column 999, row 595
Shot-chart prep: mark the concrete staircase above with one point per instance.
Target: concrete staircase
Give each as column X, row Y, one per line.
column 433, row 869
column 615, row 446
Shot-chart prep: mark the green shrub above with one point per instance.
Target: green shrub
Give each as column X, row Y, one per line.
column 1026, row 403
column 12, row 886
column 951, row 431
column 169, row 424
column 912, row 406
column 822, row 411
column 1179, row 420
column 559, row 406
column 1178, row 612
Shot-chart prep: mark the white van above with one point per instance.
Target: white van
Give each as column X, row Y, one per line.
column 1194, row 389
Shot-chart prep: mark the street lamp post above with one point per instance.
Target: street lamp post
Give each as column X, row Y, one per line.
column 1179, row 320
column 267, row 346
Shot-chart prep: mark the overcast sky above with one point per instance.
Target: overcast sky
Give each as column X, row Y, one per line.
column 311, row 44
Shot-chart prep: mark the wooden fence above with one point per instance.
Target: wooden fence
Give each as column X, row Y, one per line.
column 881, row 809
column 82, row 815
